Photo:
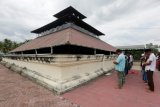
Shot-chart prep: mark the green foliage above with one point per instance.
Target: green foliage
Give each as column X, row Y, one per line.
column 155, row 50
column 7, row 45
column 136, row 53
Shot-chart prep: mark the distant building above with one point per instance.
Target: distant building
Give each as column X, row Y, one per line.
column 137, row 50
column 132, row 47
column 138, row 47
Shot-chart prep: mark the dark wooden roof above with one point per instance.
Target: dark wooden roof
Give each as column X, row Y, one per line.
column 68, row 19
column 68, row 11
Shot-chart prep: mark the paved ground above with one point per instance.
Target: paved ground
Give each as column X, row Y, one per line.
column 101, row 93
column 17, row 91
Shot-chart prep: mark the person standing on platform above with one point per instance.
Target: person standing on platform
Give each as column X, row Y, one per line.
column 130, row 61
column 158, row 61
column 126, row 65
column 120, row 67
column 150, row 67
column 144, row 73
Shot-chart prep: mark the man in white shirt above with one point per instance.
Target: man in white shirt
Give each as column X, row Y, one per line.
column 131, row 60
column 150, row 67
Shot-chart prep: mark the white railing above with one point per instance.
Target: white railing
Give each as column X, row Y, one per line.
column 49, row 58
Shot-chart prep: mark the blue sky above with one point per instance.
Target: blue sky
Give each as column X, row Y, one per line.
column 124, row 22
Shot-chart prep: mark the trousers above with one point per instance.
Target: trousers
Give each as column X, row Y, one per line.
column 150, row 80
column 121, row 78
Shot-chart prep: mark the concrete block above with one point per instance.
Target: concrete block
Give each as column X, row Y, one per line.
column 16, row 68
column 58, row 78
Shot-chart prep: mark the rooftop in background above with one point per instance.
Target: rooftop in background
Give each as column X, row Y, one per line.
column 68, row 15
column 132, row 47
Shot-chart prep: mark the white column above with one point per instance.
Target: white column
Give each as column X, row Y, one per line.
column 22, row 54
column 51, row 50
column 94, row 51
column 35, row 51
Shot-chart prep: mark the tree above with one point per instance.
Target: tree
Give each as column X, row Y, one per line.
column 1, row 45
column 149, row 45
column 7, row 45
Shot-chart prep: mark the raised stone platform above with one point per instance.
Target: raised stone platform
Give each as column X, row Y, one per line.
column 60, row 72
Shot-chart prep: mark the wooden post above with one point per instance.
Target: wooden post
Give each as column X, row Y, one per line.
column 51, row 50
column 35, row 51
column 94, row 51
column 22, row 54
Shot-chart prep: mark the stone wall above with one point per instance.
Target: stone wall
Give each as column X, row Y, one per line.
column 60, row 72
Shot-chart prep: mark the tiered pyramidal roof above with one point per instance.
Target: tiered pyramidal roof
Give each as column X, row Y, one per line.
column 68, row 15
column 67, row 31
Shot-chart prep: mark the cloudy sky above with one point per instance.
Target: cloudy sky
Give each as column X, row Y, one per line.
column 124, row 22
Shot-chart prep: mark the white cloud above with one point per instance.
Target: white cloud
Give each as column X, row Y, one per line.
column 125, row 22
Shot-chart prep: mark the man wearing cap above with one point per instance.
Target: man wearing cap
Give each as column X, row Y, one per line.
column 150, row 67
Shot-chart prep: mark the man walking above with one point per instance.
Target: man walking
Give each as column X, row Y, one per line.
column 150, row 67
column 120, row 67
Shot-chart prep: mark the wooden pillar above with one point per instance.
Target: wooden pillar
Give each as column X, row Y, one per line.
column 35, row 51
column 22, row 54
column 94, row 51
column 51, row 50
